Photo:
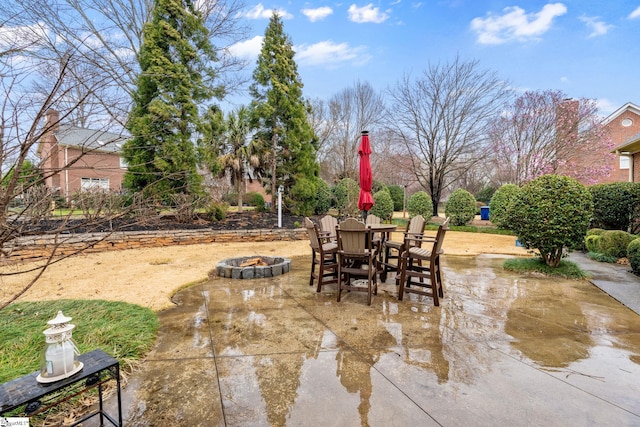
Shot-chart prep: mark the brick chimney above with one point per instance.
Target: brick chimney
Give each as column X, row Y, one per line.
column 51, row 120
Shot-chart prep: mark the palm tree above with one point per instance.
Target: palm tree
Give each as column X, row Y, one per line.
column 240, row 153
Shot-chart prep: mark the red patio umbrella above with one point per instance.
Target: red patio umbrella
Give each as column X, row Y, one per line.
column 365, row 200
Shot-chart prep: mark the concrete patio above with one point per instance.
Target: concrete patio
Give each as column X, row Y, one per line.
column 502, row 349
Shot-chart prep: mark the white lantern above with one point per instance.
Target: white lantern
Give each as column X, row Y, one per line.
column 60, row 356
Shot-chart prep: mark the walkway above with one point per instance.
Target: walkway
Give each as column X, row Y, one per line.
column 502, row 349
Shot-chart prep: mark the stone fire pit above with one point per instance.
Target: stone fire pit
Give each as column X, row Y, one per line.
column 253, row 267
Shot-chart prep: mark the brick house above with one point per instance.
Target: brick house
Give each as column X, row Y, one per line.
column 73, row 158
column 624, row 129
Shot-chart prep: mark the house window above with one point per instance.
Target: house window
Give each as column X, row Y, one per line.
column 624, row 162
column 123, row 163
column 94, row 183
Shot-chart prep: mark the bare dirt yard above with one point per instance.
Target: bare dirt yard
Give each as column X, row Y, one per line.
column 149, row 277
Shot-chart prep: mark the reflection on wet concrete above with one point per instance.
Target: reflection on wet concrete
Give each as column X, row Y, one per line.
column 502, row 349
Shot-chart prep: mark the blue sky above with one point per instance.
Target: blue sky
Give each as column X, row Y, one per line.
column 586, row 48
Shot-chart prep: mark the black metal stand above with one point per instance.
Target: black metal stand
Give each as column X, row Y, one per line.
column 26, row 391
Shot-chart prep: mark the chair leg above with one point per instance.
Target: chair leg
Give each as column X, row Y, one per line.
column 313, row 266
column 402, row 266
column 339, row 281
column 321, row 273
column 434, row 289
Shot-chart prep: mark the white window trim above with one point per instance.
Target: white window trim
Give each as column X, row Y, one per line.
column 94, row 183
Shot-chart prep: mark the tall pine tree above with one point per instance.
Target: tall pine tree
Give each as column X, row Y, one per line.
column 176, row 75
column 282, row 121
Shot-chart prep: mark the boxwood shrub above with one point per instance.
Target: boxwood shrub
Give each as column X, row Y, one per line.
column 614, row 243
column 633, row 254
column 500, row 202
column 592, row 242
column 420, row 204
column 461, row 207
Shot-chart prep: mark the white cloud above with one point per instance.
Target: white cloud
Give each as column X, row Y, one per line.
column 317, row 14
column 259, row 12
column 606, row 107
column 330, row 54
column 515, row 24
column 247, row 49
column 23, row 38
column 597, row 27
column 368, row 13
column 635, row 14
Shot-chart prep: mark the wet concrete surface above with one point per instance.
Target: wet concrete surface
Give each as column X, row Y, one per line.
column 502, row 349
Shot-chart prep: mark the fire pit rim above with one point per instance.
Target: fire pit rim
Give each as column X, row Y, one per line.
column 230, row 267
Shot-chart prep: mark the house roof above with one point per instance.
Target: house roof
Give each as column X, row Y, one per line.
column 73, row 136
column 628, row 106
column 631, row 145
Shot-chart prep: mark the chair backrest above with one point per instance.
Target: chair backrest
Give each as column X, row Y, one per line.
column 312, row 231
column 437, row 246
column 373, row 220
column 352, row 237
column 328, row 224
column 415, row 229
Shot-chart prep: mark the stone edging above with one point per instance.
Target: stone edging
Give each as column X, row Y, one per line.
column 38, row 247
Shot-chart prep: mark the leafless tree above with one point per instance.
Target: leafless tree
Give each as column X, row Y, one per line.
column 22, row 127
column 442, row 118
column 349, row 112
column 104, row 38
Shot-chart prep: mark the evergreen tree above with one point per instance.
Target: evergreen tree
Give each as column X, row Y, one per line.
column 176, row 75
column 281, row 117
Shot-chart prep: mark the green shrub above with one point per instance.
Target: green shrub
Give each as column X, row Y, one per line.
column 346, row 194
column 302, row 198
column 378, row 186
column 600, row 257
column 324, row 198
column 216, row 211
column 595, row 231
column 592, row 242
column 397, row 195
column 461, row 207
column 255, row 199
column 383, row 206
column 500, row 202
column 420, row 204
column 485, row 195
column 614, row 243
column 551, row 213
column 616, row 205
column 633, row 254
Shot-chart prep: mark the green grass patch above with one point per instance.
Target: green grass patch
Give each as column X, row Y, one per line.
column 600, row 257
column 473, row 229
column 566, row 269
column 125, row 331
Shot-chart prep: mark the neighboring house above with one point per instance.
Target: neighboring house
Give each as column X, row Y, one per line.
column 74, row 158
column 624, row 129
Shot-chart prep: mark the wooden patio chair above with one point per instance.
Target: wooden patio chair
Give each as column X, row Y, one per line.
column 374, row 220
column 324, row 256
column 392, row 249
column 356, row 258
column 413, row 273
column 328, row 224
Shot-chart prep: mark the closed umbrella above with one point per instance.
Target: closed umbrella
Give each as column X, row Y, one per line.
column 365, row 199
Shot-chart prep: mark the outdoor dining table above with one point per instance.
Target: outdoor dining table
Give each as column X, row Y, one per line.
column 384, row 230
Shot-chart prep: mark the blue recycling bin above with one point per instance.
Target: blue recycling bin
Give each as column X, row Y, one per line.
column 484, row 212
